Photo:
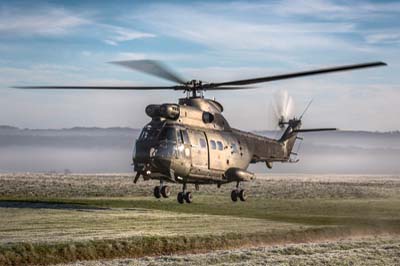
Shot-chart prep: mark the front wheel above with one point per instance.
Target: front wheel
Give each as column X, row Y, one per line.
column 243, row 195
column 157, row 192
column 189, row 197
column 180, row 197
column 165, row 191
column 234, row 195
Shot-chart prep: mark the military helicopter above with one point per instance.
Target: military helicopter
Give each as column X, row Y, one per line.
column 190, row 142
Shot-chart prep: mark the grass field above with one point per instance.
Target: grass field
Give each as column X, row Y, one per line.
column 54, row 218
column 364, row 251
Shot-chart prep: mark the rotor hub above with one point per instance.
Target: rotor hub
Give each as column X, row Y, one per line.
column 193, row 86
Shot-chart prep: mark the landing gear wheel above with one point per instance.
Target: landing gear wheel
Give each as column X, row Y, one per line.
column 165, row 191
column 157, row 192
column 180, row 197
column 188, row 197
column 242, row 195
column 234, row 195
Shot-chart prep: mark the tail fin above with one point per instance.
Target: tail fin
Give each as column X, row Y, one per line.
column 289, row 136
column 293, row 126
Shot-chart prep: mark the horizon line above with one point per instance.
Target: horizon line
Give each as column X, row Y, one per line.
column 134, row 128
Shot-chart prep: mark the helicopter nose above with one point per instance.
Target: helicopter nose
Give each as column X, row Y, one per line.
column 161, row 162
column 159, row 158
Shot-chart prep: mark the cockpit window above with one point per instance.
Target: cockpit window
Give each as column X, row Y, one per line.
column 149, row 133
column 185, row 137
column 168, row 133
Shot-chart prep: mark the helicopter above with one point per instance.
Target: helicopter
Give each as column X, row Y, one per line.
column 190, row 142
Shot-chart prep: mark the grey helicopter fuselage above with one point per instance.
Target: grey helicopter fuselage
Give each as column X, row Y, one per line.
column 191, row 142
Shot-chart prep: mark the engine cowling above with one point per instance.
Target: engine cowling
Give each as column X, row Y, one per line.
column 168, row 111
column 153, row 110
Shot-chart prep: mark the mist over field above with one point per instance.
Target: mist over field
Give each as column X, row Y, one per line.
column 110, row 150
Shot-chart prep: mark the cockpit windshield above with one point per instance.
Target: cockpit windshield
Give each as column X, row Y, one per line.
column 149, row 132
column 168, row 133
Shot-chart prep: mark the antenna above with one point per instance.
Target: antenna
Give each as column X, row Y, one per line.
column 305, row 110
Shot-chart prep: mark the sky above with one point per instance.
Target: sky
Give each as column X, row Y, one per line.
column 70, row 43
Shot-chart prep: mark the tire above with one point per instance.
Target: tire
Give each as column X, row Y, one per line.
column 243, row 195
column 180, row 198
column 234, row 195
column 165, row 191
column 157, row 192
column 189, row 197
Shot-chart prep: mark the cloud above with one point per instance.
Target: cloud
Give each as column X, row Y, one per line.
column 56, row 22
column 204, row 24
column 240, row 39
column 383, row 38
column 328, row 10
column 120, row 34
column 44, row 22
column 272, row 27
column 38, row 74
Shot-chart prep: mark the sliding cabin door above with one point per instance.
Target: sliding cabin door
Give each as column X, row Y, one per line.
column 199, row 149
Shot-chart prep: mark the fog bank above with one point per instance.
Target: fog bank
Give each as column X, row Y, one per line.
column 110, row 150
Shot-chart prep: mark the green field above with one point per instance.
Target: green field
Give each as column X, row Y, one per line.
column 49, row 219
column 358, row 251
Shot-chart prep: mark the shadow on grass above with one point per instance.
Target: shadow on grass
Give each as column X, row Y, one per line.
column 32, row 204
column 373, row 214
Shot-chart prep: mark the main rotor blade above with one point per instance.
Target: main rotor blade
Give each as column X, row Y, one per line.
column 151, row 67
column 299, row 74
column 176, row 88
column 101, row 87
column 212, row 88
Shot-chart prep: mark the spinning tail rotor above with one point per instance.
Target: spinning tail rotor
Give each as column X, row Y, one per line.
column 282, row 109
column 284, row 117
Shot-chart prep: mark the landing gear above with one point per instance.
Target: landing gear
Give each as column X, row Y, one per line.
column 188, row 197
column 234, row 195
column 161, row 190
column 243, row 195
column 238, row 193
column 157, row 192
column 184, row 196
column 181, row 197
column 165, row 191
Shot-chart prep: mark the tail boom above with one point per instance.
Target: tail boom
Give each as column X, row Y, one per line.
column 277, row 150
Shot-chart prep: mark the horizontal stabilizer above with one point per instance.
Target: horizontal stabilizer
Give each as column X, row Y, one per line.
column 314, row 130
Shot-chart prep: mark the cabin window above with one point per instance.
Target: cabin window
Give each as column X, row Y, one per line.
column 203, row 143
column 234, row 148
column 213, row 145
column 220, row 145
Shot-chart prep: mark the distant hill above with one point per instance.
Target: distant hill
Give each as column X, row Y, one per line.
column 77, row 128
column 5, row 127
